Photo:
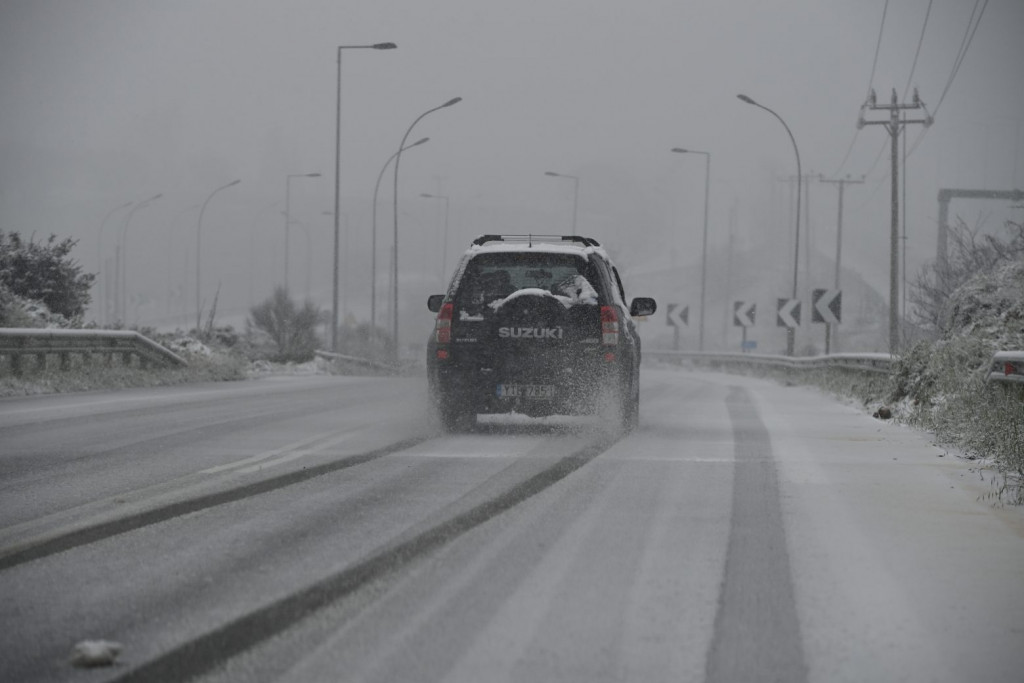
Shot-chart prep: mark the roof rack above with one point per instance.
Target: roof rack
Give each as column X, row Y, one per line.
column 529, row 238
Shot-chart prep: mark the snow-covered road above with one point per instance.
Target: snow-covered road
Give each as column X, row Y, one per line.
column 322, row 528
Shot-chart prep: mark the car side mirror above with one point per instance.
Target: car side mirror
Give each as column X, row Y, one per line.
column 643, row 306
column 434, row 302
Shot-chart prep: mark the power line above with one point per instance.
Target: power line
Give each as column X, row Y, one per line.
column 849, row 149
column 878, row 46
column 878, row 157
column 910, row 78
column 884, row 178
column 972, row 27
column 917, row 141
column 917, row 53
column 965, row 43
column 871, row 80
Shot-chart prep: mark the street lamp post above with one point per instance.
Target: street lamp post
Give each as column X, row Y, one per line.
column 199, row 231
column 309, row 255
column 575, row 193
column 790, row 332
column 337, row 184
column 171, row 236
column 398, row 158
column 101, row 293
column 704, row 245
column 288, row 215
column 444, row 241
column 123, row 309
column 373, row 239
column 343, row 286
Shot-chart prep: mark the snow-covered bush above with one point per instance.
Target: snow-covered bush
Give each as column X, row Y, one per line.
column 280, row 330
column 188, row 346
column 945, row 382
column 19, row 311
column 42, row 273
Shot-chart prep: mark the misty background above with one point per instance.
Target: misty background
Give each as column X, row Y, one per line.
column 106, row 102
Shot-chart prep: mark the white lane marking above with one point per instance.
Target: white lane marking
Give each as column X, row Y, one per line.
column 285, row 453
column 297, row 453
column 469, row 455
column 136, row 500
column 265, row 456
column 287, row 457
column 668, row 458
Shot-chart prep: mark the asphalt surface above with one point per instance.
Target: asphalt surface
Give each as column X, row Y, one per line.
column 324, row 529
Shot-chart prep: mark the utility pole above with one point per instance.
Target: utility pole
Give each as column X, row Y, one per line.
column 728, row 272
column 805, row 182
column 894, row 125
column 841, row 183
column 806, row 179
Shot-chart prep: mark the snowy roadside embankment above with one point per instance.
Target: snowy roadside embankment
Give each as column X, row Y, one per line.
column 205, row 364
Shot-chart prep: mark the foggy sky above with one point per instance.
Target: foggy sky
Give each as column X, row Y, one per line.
column 106, row 102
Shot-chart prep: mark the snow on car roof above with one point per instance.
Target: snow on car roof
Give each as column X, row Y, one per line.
column 573, row 248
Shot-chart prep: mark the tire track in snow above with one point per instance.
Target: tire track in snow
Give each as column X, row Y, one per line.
column 91, row 534
column 757, row 632
column 213, row 649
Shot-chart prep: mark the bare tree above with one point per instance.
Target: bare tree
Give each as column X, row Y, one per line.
column 292, row 329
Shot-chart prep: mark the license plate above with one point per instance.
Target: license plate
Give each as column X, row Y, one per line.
column 542, row 391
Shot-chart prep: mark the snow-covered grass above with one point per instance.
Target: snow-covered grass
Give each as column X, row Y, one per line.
column 266, row 368
column 942, row 387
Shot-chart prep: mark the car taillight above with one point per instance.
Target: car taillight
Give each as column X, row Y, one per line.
column 443, row 326
column 609, row 326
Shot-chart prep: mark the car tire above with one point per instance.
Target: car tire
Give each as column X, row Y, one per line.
column 630, row 408
column 455, row 418
column 619, row 406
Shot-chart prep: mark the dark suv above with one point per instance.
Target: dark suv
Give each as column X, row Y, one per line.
column 536, row 325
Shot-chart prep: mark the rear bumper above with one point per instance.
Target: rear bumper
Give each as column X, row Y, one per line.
column 580, row 380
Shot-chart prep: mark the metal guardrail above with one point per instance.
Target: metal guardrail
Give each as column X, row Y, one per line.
column 1007, row 366
column 17, row 343
column 857, row 362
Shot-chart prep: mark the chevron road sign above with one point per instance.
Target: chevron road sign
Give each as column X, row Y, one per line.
column 743, row 313
column 678, row 316
column 828, row 306
column 789, row 313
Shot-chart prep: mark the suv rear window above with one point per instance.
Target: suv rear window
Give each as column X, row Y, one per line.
column 491, row 279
